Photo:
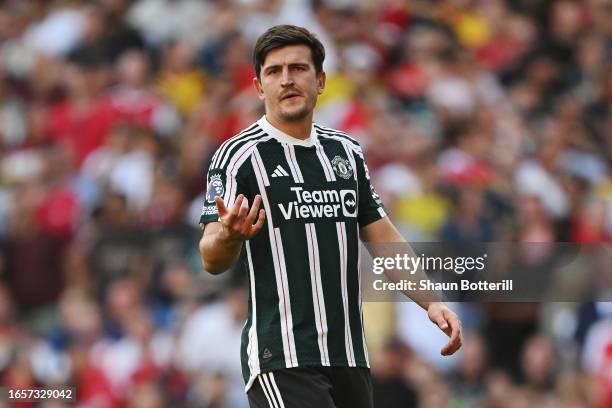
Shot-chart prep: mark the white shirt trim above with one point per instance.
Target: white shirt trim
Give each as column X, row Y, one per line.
column 284, row 137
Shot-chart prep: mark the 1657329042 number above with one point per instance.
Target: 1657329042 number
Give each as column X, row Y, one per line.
column 38, row 394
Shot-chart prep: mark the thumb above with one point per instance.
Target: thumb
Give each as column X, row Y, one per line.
column 438, row 318
column 442, row 323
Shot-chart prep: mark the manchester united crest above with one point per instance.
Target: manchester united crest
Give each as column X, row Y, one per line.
column 342, row 167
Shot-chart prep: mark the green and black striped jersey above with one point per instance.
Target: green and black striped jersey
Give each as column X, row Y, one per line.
column 303, row 266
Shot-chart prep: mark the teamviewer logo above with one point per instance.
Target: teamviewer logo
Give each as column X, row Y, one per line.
column 349, row 203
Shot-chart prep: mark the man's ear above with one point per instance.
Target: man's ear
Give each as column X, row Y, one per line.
column 258, row 88
column 321, row 82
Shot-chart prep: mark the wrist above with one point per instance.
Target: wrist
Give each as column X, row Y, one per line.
column 428, row 305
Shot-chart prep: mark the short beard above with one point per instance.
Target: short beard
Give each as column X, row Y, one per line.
column 295, row 116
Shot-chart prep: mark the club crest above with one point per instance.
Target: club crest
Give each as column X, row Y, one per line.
column 342, row 167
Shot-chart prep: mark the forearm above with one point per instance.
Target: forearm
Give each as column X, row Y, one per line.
column 381, row 233
column 421, row 297
column 218, row 253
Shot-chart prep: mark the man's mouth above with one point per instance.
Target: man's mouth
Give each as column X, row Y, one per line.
column 290, row 95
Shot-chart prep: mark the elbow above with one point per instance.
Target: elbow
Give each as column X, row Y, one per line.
column 208, row 266
column 212, row 268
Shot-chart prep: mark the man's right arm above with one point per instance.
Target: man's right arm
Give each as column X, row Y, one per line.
column 218, row 252
column 221, row 241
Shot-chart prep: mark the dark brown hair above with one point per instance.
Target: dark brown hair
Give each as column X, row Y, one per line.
column 282, row 35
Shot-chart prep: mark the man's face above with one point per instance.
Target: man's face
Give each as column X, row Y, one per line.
column 289, row 84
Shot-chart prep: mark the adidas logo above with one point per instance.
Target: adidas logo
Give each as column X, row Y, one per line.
column 279, row 172
column 266, row 353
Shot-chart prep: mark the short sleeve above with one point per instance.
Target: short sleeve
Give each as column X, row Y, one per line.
column 371, row 207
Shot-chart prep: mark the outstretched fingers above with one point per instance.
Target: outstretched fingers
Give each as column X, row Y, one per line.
column 221, row 206
column 241, row 222
column 233, row 214
column 254, row 210
column 243, row 210
column 259, row 224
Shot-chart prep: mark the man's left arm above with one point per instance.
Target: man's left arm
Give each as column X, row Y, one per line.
column 383, row 231
column 375, row 227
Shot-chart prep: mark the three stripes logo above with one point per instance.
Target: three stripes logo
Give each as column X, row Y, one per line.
column 279, row 172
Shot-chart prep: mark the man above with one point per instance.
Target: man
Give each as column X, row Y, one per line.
column 303, row 342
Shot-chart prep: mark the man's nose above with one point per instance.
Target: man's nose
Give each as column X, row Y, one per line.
column 286, row 78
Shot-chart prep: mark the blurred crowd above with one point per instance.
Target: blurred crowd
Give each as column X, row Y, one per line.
column 481, row 120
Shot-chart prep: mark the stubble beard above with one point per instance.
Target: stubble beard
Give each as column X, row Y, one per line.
column 299, row 114
column 295, row 116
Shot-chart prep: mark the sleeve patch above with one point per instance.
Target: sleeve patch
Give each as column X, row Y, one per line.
column 215, row 188
column 375, row 195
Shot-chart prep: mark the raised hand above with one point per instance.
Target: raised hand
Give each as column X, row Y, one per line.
column 238, row 224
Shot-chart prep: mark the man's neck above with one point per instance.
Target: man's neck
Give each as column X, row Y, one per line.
column 299, row 129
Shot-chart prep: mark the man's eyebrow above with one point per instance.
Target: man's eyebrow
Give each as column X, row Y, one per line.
column 293, row 64
column 271, row 67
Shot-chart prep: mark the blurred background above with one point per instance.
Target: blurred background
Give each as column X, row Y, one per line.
column 481, row 120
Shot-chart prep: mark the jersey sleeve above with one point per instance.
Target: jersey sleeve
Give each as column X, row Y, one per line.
column 223, row 183
column 371, row 207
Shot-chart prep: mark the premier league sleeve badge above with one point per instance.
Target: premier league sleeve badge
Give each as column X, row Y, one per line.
column 215, row 188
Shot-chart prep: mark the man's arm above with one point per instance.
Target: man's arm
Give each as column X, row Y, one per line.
column 221, row 241
column 383, row 231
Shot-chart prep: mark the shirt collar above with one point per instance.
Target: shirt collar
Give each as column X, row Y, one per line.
column 284, row 137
